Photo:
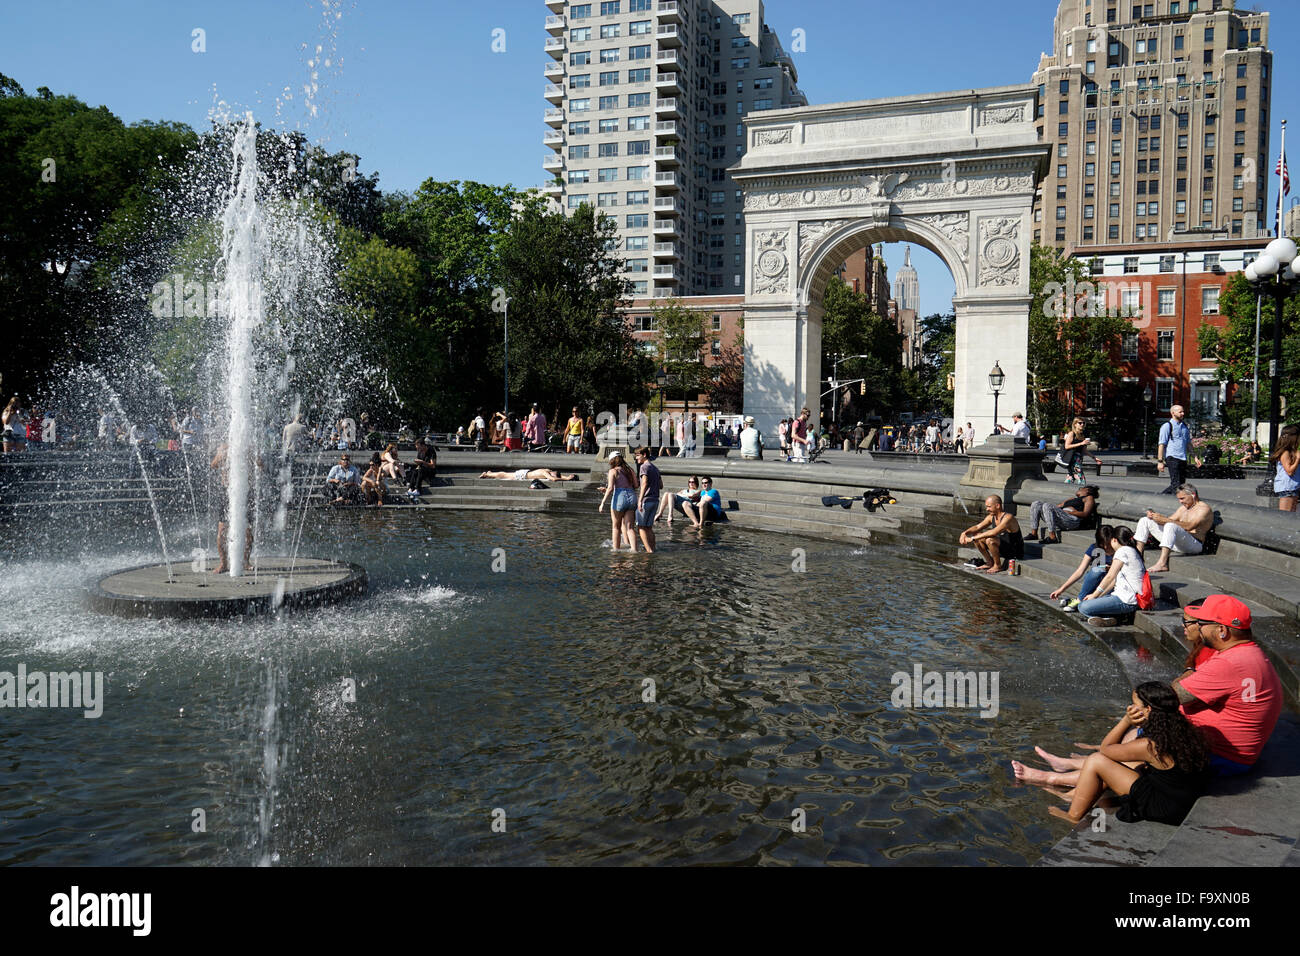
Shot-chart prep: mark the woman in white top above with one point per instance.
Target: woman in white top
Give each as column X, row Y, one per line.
column 1117, row 593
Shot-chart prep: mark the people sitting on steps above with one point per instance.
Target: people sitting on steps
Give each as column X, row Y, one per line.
column 1153, row 758
column 424, row 466
column 1116, row 595
column 1232, row 694
column 997, row 538
column 1091, row 570
column 1182, row 532
column 1067, row 516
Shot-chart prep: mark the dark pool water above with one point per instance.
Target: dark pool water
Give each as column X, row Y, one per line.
column 398, row 729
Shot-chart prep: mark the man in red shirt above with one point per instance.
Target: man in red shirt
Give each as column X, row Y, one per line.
column 1234, row 697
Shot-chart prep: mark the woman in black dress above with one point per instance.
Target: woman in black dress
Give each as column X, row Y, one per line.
column 1169, row 754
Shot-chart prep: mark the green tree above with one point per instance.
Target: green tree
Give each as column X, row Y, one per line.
column 938, row 354
column 1234, row 347
column 680, row 338
column 569, row 341
column 1072, row 338
column 849, row 327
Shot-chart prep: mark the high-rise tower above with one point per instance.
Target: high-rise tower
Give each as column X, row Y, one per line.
column 1159, row 116
column 646, row 101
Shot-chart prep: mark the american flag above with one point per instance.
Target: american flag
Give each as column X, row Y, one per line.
column 1286, row 176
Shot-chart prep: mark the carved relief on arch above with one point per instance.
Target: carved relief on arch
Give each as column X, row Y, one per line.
column 954, row 226
column 999, row 251
column 811, row 234
column 771, row 262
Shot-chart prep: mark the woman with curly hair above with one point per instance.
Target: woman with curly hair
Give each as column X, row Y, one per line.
column 1168, row 752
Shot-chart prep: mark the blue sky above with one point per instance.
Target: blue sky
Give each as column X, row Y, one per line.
column 395, row 88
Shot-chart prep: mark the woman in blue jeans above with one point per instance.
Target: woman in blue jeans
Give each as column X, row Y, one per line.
column 1090, row 571
column 1116, row 595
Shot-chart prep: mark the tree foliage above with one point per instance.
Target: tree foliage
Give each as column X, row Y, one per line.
column 850, row 327
column 1073, row 340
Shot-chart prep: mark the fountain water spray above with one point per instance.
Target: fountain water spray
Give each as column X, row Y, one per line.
column 242, row 295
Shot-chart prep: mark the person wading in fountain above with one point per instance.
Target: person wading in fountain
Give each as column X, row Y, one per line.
column 220, row 463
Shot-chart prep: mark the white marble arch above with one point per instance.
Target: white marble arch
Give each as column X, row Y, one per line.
column 953, row 172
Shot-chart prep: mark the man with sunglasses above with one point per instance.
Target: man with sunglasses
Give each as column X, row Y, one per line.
column 344, row 482
column 1233, row 696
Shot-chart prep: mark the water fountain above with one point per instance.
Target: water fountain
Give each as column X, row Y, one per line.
column 257, row 248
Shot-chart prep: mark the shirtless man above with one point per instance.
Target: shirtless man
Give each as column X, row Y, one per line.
column 528, row 474
column 1183, row 531
column 997, row 537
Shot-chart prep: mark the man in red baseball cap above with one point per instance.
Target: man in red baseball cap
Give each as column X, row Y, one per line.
column 1234, row 697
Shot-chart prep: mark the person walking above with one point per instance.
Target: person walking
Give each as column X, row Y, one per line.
column 1171, row 448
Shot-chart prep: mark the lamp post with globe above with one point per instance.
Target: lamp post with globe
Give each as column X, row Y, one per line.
column 1274, row 273
column 996, row 378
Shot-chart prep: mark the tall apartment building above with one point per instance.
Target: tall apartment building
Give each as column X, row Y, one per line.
column 647, row 98
column 1159, row 116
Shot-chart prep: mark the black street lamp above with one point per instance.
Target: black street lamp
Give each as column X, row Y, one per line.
column 1275, row 271
column 996, row 378
column 1146, row 429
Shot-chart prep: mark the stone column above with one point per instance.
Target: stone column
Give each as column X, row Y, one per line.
column 782, row 363
column 990, row 330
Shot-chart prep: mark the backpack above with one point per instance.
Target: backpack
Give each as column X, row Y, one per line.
column 1146, row 596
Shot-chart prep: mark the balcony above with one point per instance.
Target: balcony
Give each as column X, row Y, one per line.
column 555, row 24
column 664, row 292
column 664, row 58
column 666, row 128
column 668, row 250
column 667, row 107
column 555, row 5
column 554, row 71
column 553, row 189
column 669, row 11
column 669, row 155
column 665, row 227
column 553, row 138
column 666, row 272
column 555, row 47
column 552, row 163
column 666, row 180
column 669, row 35
column 554, row 117
column 669, row 205
column 553, row 93
column 667, row 83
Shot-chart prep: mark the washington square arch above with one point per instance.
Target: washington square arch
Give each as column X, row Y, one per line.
column 953, row 172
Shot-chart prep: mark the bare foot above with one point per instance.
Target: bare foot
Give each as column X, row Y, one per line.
column 991, row 570
column 1059, row 764
column 221, row 570
column 1058, row 812
column 1157, row 568
column 1038, row 777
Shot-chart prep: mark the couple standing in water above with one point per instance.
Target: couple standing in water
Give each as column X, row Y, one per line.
column 635, row 500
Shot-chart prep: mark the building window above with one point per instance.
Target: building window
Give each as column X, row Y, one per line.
column 1131, row 301
column 607, row 175
column 580, row 81
column 580, row 34
column 1164, row 393
column 1130, row 264
column 1093, row 397
column 580, row 129
column 579, row 175
column 577, row 200
column 607, row 126
column 638, row 147
column 1210, row 300
column 606, row 199
column 1128, row 347
column 1165, row 299
column 639, row 52
column 606, row 150
column 1165, row 345
column 638, row 197
column 638, row 123
column 638, row 220
column 1211, row 262
column 1166, row 263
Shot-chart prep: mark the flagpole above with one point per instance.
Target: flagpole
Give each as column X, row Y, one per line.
column 1281, row 179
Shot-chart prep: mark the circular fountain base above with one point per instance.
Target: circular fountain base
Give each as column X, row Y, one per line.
column 278, row 583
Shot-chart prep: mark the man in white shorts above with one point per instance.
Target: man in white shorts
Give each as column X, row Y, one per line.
column 1182, row 532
